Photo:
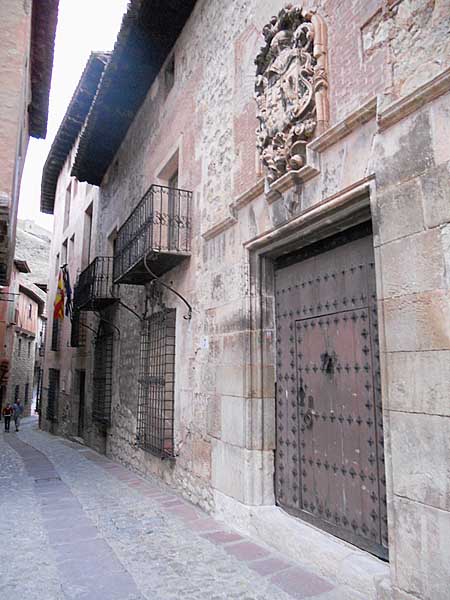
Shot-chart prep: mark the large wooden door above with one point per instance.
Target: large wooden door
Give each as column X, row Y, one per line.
column 329, row 455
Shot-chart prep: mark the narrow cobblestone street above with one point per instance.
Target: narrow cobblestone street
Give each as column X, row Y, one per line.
column 76, row 525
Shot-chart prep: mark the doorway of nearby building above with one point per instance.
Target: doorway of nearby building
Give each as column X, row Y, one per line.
column 81, row 398
column 329, row 451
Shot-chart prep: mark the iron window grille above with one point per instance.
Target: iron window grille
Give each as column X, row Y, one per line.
column 159, row 230
column 102, row 375
column 56, row 330
column 94, row 289
column 42, row 336
column 39, row 384
column 53, row 394
column 155, row 427
column 78, row 329
column 27, row 389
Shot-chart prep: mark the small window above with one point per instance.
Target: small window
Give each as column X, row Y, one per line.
column 78, row 330
column 169, row 75
column 57, row 264
column 71, row 249
column 87, row 237
column 30, row 310
column 29, row 349
column 55, row 336
column 112, row 242
column 42, row 338
column 64, row 253
column 19, row 349
column 67, row 206
column 27, row 391
column 173, row 209
column 16, row 393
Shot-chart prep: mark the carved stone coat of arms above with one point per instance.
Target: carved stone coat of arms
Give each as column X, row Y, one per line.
column 290, row 89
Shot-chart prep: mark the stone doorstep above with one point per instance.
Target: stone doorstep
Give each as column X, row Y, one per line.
column 342, row 564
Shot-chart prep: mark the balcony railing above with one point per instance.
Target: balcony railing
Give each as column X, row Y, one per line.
column 157, row 232
column 94, row 289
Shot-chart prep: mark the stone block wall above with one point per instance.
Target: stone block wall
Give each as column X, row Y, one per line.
column 15, row 28
column 67, row 359
column 21, row 371
column 388, row 138
column 413, row 175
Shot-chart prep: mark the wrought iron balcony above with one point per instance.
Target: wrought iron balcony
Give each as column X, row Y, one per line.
column 95, row 289
column 157, row 233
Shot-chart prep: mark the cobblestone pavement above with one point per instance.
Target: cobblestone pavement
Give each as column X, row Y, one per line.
column 76, row 525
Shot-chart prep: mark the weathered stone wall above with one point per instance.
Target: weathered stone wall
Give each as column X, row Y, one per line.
column 392, row 144
column 22, row 371
column 15, row 30
column 412, row 166
column 69, row 359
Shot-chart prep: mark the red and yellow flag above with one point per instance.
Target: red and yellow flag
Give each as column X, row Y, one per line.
column 58, row 310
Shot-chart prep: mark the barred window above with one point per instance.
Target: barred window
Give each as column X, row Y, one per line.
column 102, row 375
column 156, row 384
column 53, row 394
column 16, row 392
column 27, row 391
column 55, row 335
column 42, row 332
column 78, row 330
column 39, row 383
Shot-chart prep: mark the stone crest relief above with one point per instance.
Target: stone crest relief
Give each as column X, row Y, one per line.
column 290, row 89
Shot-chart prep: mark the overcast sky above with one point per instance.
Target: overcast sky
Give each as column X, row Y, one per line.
column 83, row 26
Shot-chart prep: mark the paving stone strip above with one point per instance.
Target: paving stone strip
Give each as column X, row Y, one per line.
column 108, row 534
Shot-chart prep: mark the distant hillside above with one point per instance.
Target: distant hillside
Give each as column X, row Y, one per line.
column 33, row 245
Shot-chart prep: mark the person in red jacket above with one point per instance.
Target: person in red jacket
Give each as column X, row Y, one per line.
column 7, row 414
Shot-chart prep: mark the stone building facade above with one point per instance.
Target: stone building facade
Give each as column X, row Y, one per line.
column 24, row 306
column 27, row 34
column 68, row 341
column 33, row 246
column 319, row 250
column 21, row 380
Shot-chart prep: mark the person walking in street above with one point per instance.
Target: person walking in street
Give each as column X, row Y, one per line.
column 7, row 413
column 18, row 410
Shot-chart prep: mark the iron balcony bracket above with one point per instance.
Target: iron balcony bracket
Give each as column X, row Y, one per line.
column 131, row 310
column 102, row 318
column 188, row 316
